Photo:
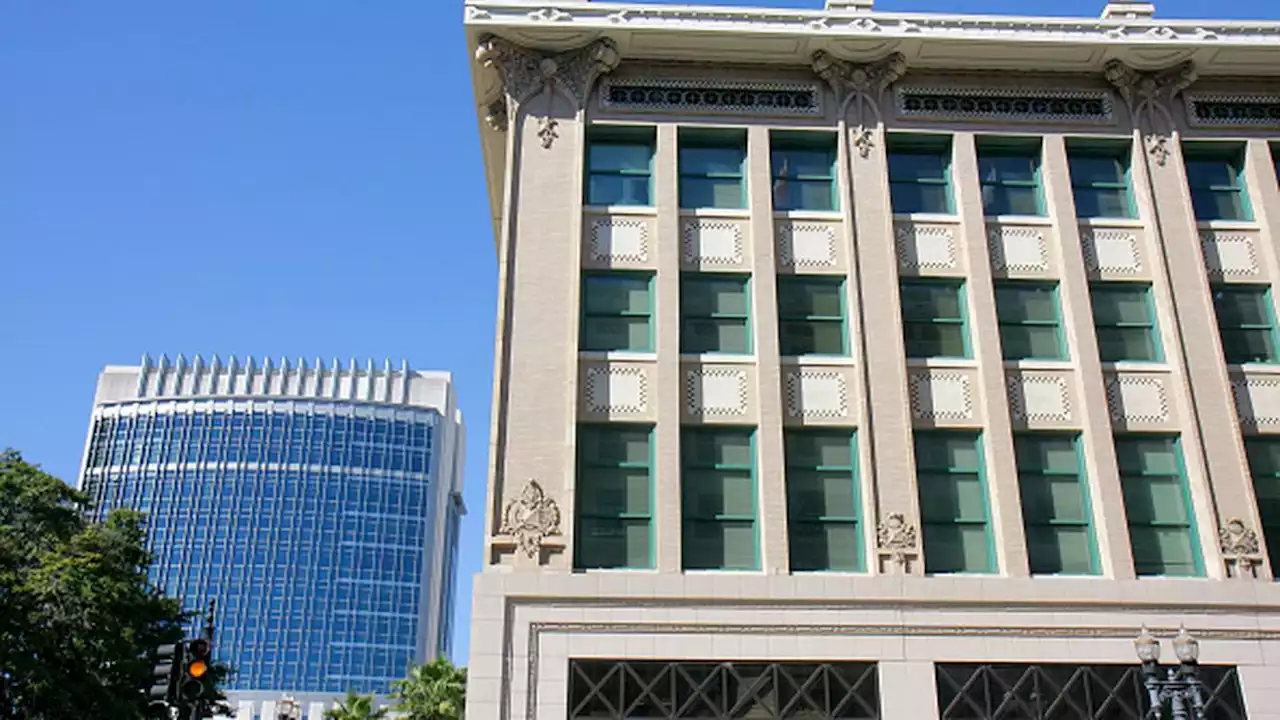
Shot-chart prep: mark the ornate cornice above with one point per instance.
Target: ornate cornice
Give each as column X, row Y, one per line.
column 860, row 86
column 1150, row 97
column 525, row 72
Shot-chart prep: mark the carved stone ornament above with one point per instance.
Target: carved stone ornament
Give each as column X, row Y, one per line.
column 1240, row 548
column 1149, row 96
column 526, row 72
column 861, row 85
column 896, row 538
column 531, row 518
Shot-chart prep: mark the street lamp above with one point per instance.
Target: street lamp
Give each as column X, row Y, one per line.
column 288, row 709
column 1180, row 687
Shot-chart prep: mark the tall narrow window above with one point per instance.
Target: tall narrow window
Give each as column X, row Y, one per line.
column 804, row 170
column 822, row 501
column 1030, row 328
column 715, row 313
column 718, row 488
column 1246, row 323
column 1009, row 170
column 1055, row 504
column 617, row 311
column 1264, row 466
column 620, row 165
column 953, row 502
column 614, row 496
column 1157, row 505
column 713, row 169
column 920, row 173
column 811, row 315
column 1125, row 322
column 1215, row 174
column 933, row 323
column 1100, row 179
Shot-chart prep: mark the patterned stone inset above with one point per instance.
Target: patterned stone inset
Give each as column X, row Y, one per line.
column 716, row 392
column 617, row 390
column 817, row 395
column 624, row 239
column 1039, row 398
column 1112, row 251
column 1138, row 399
column 713, row 242
column 1257, row 400
column 1228, row 255
column 807, row 246
column 719, row 96
column 941, row 395
column 926, row 247
column 1018, row 249
column 1005, row 103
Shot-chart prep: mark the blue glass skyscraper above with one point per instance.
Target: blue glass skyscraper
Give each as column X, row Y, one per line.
column 318, row 506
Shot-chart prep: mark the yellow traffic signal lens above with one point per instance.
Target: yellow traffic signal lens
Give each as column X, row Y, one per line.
column 197, row 669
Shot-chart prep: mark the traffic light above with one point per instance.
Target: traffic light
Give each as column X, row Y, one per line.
column 164, row 677
column 197, row 676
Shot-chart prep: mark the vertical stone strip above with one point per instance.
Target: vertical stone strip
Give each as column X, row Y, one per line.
column 668, row 511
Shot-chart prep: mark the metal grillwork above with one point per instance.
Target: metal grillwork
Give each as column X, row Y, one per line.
column 1094, row 107
column 968, row 691
column 664, row 690
column 698, row 96
column 1252, row 111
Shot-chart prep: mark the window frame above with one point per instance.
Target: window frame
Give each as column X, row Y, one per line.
column 687, row 518
column 584, row 314
column 959, row 286
column 1153, row 325
column 1233, row 155
column 783, row 141
column 746, row 279
column 579, row 514
column 609, row 134
column 1197, row 553
column 707, row 138
column 992, row 566
column 855, row 520
column 922, row 144
column 1017, row 147
column 1120, row 150
column 1082, row 482
column 1062, row 353
column 1272, row 332
column 793, row 281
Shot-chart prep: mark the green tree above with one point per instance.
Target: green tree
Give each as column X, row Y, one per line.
column 78, row 614
column 434, row 691
column 355, row 707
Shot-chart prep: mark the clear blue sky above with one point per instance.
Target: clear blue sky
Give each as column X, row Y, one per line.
column 296, row 178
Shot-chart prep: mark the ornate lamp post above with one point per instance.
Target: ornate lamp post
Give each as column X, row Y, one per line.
column 288, row 709
column 1180, row 687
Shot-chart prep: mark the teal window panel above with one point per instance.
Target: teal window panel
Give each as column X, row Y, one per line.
column 1125, row 322
column 712, row 168
column 715, row 313
column 920, row 174
column 933, row 318
column 1215, row 176
column 823, row 507
column 614, row 495
column 1264, row 465
column 1157, row 505
column 1246, row 323
column 718, row 498
column 1030, row 321
column 811, row 315
column 803, row 166
column 1055, row 504
column 620, row 165
column 1100, row 179
column 954, row 509
column 617, row 311
column 1009, row 173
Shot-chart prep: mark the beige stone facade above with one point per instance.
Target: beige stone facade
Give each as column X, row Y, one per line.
column 542, row 73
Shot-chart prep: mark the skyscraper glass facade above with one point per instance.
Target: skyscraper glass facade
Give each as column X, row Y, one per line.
column 310, row 522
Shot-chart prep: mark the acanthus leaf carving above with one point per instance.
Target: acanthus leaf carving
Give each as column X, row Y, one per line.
column 897, row 539
column 1240, row 548
column 861, row 84
column 1149, row 96
column 531, row 518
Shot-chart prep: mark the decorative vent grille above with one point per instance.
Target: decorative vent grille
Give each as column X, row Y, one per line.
column 711, row 96
column 1234, row 110
column 1006, row 104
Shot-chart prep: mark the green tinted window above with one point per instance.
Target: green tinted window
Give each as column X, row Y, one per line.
column 1030, row 327
column 614, row 497
column 1158, row 508
column 718, row 498
column 804, row 171
column 617, row 311
column 1246, row 323
column 1124, row 322
column 1009, row 171
column 811, row 315
column 920, row 174
column 953, row 502
column 715, row 315
column 1215, row 174
column 1055, row 505
column 619, row 165
column 933, row 323
column 713, row 169
column 822, row 501
column 1264, row 466
column 1100, row 181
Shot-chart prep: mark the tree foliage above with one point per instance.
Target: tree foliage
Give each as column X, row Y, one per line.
column 356, row 707
column 78, row 615
column 434, row 691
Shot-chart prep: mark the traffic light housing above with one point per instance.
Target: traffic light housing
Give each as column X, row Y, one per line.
column 197, row 671
column 164, row 678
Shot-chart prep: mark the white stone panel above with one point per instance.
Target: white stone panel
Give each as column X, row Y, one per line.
column 1257, row 400
column 614, row 238
column 941, row 395
column 716, row 392
column 1112, row 251
column 713, row 242
column 1018, row 249
column 617, row 390
column 817, row 394
column 1040, row 398
column 807, row 246
column 926, row 247
column 1229, row 255
column 1138, row 399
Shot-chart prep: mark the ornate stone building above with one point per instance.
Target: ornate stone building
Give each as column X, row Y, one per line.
column 865, row 365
